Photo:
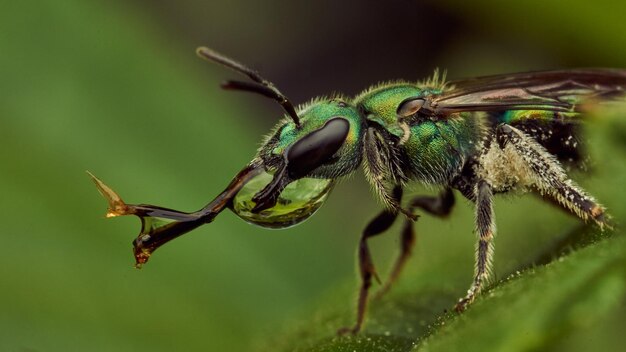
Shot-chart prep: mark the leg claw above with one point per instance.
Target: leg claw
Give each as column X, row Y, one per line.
column 348, row 331
column 462, row 305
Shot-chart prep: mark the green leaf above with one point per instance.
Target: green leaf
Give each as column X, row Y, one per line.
column 540, row 308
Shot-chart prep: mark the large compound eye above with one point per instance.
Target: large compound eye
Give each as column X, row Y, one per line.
column 297, row 202
column 316, row 148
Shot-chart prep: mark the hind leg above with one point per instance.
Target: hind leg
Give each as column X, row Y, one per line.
column 549, row 177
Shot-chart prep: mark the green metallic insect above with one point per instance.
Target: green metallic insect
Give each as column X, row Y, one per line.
column 480, row 136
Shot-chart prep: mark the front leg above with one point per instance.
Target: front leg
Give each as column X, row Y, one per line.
column 485, row 229
column 160, row 225
column 378, row 225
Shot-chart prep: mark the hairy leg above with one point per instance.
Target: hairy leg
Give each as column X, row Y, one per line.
column 485, row 229
column 541, row 171
column 550, row 179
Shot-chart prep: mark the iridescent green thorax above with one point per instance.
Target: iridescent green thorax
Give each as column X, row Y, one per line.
column 433, row 149
column 381, row 102
column 438, row 149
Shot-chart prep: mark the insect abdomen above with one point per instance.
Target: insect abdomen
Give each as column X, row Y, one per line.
column 558, row 132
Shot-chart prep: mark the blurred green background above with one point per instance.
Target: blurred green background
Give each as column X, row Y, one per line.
column 115, row 88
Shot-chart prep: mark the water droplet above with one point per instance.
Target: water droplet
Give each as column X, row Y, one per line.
column 296, row 203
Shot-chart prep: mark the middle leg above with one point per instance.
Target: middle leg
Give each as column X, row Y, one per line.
column 485, row 228
column 440, row 206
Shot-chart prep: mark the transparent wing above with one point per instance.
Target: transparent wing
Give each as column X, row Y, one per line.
column 563, row 90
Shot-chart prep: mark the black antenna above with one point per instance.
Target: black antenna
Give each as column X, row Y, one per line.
column 259, row 86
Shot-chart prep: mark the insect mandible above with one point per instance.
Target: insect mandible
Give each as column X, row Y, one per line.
column 480, row 137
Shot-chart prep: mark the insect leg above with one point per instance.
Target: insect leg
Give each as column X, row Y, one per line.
column 383, row 171
column 485, row 228
column 160, row 225
column 440, row 206
column 549, row 178
column 378, row 225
